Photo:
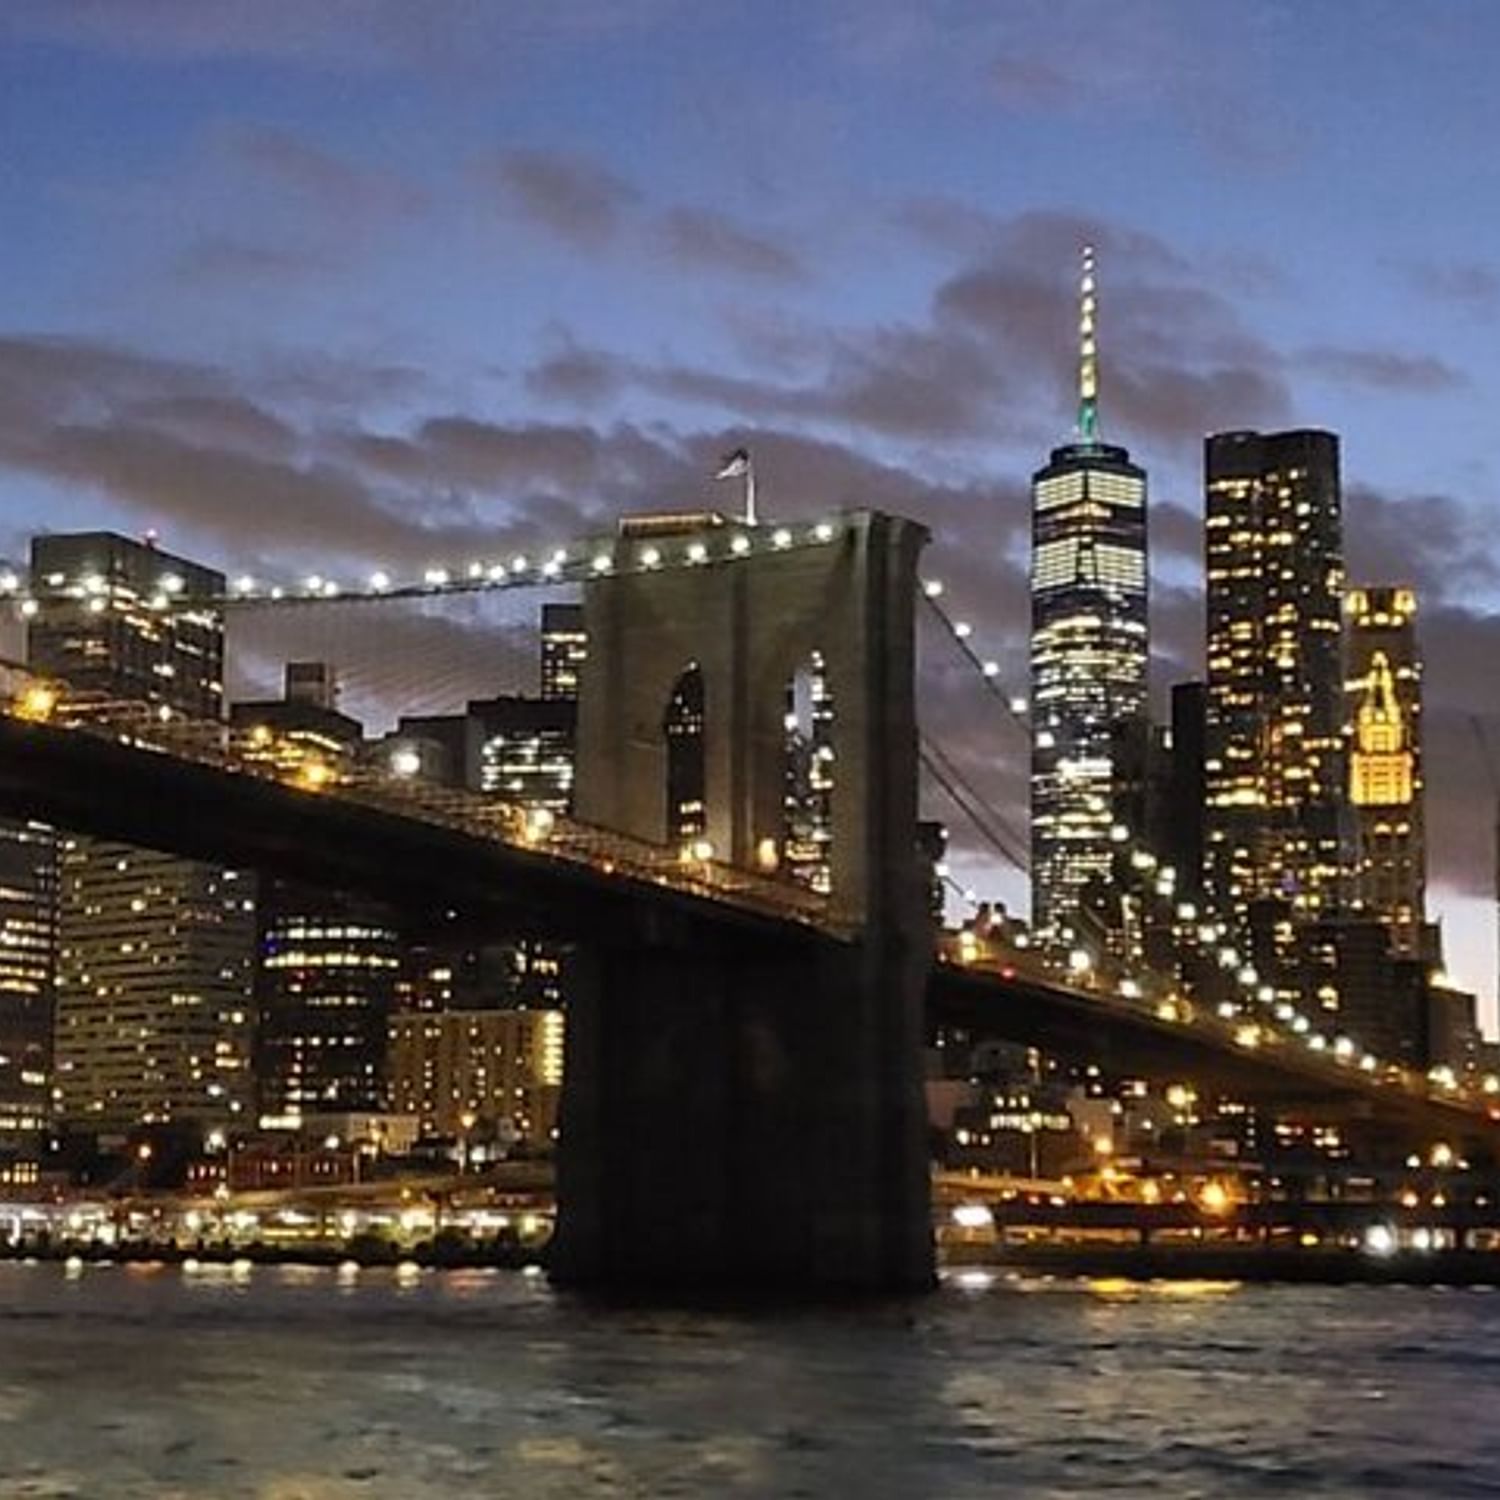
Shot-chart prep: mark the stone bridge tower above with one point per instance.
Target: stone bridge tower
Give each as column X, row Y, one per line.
column 748, row 1110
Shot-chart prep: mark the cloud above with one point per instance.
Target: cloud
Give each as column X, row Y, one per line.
column 1034, row 83
column 575, row 198
column 1470, row 284
column 338, row 189
column 1436, row 543
column 220, row 260
column 365, row 35
column 711, row 240
column 581, row 377
column 1382, row 369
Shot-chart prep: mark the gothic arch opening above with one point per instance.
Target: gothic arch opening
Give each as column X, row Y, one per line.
column 687, row 767
column 808, row 776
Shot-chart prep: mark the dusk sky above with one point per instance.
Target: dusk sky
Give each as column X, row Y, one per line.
column 364, row 283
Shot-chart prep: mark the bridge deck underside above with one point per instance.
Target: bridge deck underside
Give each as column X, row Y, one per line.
column 1133, row 1043
column 439, row 875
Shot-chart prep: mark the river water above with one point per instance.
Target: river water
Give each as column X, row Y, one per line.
column 279, row 1384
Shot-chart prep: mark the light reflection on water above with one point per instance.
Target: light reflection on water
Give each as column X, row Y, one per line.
column 286, row 1384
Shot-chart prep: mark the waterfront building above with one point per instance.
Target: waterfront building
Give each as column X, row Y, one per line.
column 153, row 1015
column 1089, row 644
column 1278, row 849
column 325, row 989
column 28, row 956
column 482, row 1074
column 1385, row 765
column 152, row 1018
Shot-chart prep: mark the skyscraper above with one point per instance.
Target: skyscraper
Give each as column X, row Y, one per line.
column 1277, row 826
column 565, row 645
column 1385, row 762
column 155, row 953
column 1089, row 647
column 28, row 956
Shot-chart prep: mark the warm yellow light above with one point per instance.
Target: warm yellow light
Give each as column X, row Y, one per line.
column 538, row 824
column 1215, row 1198
column 314, row 775
column 38, row 702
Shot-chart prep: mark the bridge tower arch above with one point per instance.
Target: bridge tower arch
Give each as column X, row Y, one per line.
column 753, row 1112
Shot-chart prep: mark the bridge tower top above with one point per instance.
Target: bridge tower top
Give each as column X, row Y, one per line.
column 746, row 629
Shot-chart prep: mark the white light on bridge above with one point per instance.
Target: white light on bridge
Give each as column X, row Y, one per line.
column 8, row 583
column 1018, row 705
column 29, row 607
column 823, row 531
column 603, row 562
column 651, row 558
column 962, row 629
column 330, row 589
column 740, row 546
column 991, row 669
column 933, row 589
column 476, row 570
column 380, row 582
column 244, row 584
column 435, row 577
column 781, row 537
column 973, row 1216
column 518, row 564
column 697, row 553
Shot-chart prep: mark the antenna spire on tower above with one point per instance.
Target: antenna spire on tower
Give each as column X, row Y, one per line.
column 1088, row 352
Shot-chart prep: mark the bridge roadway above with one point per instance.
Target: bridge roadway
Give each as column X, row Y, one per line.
column 464, row 863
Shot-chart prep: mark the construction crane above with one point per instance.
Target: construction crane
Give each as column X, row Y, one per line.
column 1487, row 756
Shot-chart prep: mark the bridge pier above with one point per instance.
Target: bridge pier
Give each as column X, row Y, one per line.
column 743, row 1107
column 748, row 1118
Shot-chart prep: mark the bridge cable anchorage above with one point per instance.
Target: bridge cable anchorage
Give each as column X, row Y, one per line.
column 961, row 632
column 992, row 827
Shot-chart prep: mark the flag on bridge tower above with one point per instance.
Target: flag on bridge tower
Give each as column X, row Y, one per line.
column 737, row 465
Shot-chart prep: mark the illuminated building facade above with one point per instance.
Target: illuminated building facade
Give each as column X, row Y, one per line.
column 1089, row 648
column 301, row 729
column 808, row 799
column 326, row 964
column 565, row 647
column 1385, row 763
column 154, row 1018
column 524, row 749
column 483, row 1073
column 1277, row 830
column 153, row 1009
column 103, row 625
column 325, row 990
column 28, row 955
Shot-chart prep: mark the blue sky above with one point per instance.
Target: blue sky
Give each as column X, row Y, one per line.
column 366, row 282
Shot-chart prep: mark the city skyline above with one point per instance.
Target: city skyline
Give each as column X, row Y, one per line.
column 557, row 375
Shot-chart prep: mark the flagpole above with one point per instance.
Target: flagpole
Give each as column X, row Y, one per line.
column 749, row 491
